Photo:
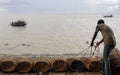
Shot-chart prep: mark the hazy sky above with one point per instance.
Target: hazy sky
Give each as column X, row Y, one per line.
column 59, row 6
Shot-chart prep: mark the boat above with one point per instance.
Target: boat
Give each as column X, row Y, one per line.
column 18, row 23
column 108, row 16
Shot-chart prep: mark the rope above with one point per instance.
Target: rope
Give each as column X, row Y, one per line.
column 96, row 47
column 91, row 50
column 85, row 50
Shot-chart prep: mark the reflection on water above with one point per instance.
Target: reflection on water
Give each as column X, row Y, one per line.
column 52, row 33
column 19, row 28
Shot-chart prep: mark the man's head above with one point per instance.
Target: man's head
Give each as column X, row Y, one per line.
column 100, row 21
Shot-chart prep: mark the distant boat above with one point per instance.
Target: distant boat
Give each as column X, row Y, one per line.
column 108, row 16
column 18, row 23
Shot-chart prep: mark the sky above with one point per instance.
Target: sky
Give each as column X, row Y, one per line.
column 59, row 6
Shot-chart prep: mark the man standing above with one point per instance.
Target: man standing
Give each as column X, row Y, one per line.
column 109, row 43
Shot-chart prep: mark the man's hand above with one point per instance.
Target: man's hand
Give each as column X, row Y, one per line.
column 91, row 44
column 98, row 43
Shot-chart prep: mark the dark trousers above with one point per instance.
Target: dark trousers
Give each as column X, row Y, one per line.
column 106, row 62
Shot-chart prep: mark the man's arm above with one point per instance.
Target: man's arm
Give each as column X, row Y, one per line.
column 94, row 36
column 99, row 42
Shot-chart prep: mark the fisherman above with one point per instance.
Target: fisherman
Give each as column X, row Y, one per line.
column 109, row 43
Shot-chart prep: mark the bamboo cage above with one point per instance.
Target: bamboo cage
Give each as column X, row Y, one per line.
column 115, row 61
column 41, row 65
column 58, row 64
column 92, row 64
column 24, row 65
column 75, row 64
column 8, row 64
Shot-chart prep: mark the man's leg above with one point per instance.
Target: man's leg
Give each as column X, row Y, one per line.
column 106, row 62
column 106, row 67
